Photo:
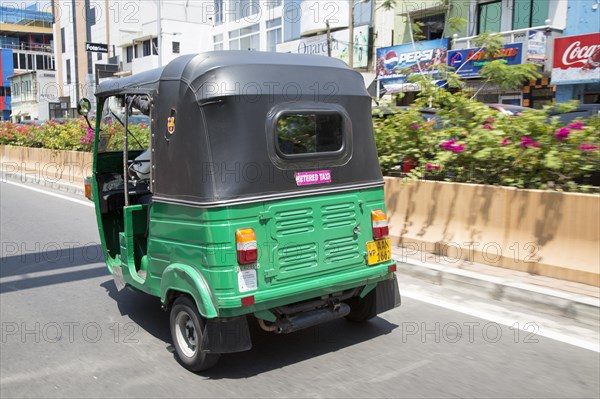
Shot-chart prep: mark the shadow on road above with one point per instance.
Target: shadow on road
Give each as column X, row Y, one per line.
column 22, row 270
column 269, row 351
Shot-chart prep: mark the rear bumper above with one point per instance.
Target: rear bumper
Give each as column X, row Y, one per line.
column 271, row 297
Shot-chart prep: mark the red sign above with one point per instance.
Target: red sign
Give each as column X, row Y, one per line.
column 576, row 59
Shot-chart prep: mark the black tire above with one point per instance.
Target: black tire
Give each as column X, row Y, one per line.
column 362, row 309
column 187, row 333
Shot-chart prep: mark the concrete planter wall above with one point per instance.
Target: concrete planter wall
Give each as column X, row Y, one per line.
column 547, row 233
column 43, row 165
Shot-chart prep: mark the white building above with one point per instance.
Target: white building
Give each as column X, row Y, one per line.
column 162, row 31
column 139, row 35
column 84, row 46
column 30, row 96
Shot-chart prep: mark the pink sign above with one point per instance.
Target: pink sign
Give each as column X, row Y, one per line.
column 316, row 177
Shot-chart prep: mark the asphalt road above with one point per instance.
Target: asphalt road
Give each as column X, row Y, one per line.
column 67, row 332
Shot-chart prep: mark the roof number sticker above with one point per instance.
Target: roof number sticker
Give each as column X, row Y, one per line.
column 316, row 177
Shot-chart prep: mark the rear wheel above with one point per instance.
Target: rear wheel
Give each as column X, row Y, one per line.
column 362, row 309
column 187, row 333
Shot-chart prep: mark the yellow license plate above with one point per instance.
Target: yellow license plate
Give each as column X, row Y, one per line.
column 379, row 251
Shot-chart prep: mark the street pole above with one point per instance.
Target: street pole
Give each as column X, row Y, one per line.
column 351, row 33
column 159, row 33
column 328, row 39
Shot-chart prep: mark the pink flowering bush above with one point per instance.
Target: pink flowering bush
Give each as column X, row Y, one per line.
column 472, row 143
column 73, row 134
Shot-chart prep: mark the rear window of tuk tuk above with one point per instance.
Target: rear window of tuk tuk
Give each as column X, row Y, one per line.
column 300, row 133
column 306, row 132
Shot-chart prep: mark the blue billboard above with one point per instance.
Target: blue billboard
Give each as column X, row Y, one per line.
column 468, row 62
column 397, row 62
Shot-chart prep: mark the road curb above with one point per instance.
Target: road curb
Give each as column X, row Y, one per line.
column 585, row 309
column 59, row 185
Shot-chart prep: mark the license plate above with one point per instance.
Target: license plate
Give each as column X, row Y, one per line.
column 379, row 251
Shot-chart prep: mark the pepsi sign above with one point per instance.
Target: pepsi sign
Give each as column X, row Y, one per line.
column 397, row 62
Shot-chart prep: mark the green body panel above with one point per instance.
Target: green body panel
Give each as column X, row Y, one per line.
column 308, row 247
column 187, row 279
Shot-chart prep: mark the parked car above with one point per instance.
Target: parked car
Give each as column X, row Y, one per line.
column 582, row 111
column 509, row 109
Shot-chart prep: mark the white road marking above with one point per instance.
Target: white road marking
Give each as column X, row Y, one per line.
column 52, row 194
column 592, row 346
column 404, row 370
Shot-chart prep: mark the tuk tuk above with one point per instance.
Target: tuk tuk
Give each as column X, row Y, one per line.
column 257, row 192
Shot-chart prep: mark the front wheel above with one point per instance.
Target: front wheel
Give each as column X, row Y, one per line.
column 187, row 333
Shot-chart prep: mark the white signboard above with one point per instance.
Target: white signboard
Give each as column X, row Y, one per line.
column 317, row 45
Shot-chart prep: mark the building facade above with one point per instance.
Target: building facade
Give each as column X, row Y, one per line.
column 576, row 67
column 31, row 98
column 26, row 44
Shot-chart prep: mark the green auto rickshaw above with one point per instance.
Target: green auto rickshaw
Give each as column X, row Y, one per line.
column 254, row 190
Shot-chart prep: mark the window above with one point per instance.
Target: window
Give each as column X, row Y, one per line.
column 99, row 56
column 147, row 48
column 68, row 68
column 218, row 20
column 529, row 13
column 176, row 47
column 62, row 40
column 136, row 51
column 129, row 55
column 91, row 16
column 218, row 42
column 432, row 27
column 247, row 38
column 155, row 46
column 243, row 8
column 309, row 133
column 273, row 34
column 489, row 16
column 39, row 62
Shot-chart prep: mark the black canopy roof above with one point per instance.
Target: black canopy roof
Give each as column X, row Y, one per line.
column 194, row 69
column 223, row 109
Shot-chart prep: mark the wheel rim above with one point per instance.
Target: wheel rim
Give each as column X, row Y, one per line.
column 186, row 334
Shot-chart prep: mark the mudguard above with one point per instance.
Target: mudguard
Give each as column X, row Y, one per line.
column 187, row 279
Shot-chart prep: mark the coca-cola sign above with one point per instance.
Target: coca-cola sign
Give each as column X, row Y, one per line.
column 576, row 59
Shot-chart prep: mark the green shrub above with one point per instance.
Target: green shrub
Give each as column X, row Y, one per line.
column 475, row 144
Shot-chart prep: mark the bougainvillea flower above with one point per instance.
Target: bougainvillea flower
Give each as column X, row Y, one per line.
column 490, row 120
column 505, row 142
column 432, row 167
column 576, row 125
column 588, row 147
column 415, row 127
column 447, row 144
column 488, row 127
column 562, row 133
column 527, row 142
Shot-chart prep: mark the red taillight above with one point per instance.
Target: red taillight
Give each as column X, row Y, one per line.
column 392, row 268
column 245, row 241
column 248, row 300
column 380, row 224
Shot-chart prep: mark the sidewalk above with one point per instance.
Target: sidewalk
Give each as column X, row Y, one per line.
column 558, row 297
column 549, row 295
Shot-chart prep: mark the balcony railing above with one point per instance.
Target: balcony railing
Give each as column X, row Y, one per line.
column 511, row 36
column 25, row 46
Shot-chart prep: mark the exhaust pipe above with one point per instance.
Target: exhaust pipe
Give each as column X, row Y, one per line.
column 311, row 318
